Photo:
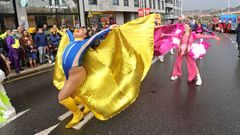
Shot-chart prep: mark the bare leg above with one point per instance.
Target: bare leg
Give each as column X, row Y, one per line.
column 34, row 63
column 30, row 62
column 197, row 70
column 199, row 79
column 76, row 78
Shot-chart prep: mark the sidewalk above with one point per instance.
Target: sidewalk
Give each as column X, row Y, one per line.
column 28, row 71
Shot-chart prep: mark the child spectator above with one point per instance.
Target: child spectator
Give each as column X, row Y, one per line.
column 31, row 52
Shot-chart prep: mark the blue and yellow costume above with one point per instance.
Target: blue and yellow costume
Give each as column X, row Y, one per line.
column 114, row 69
column 75, row 51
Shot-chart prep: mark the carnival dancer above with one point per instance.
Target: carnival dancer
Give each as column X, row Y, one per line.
column 161, row 56
column 186, row 40
column 108, row 78
column 199, row 29
column 229, row 25
column 76, row 73
column 6, row 109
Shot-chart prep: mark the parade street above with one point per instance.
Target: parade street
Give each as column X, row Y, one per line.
column 163, row 107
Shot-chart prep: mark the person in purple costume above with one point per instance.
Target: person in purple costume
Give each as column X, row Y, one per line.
column 13, row 50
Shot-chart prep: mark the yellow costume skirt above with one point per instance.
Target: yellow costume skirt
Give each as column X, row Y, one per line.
column 115, row 68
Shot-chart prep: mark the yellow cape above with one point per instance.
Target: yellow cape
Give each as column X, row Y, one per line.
column 115, row 68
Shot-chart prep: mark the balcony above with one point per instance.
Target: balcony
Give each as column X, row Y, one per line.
column 169, row 1
column 169, row 5
column 170, row 16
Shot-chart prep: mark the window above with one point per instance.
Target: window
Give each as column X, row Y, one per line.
column 162, row 5
column 126, row 3
column 154, row 4
column 94, row 2
column 136, row 3
column 150, row 3
column 6, row 6
column 115, row 2
column 159, row 4
column 56, row 6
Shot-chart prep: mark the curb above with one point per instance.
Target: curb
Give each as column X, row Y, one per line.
column 28, row 72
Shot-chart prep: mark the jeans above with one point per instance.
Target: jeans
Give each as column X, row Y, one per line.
column 42, row 54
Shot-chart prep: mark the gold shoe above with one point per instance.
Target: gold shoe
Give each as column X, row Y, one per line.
column 78, row 100
column 77, row 117
column 70, row 104
column 86, row 110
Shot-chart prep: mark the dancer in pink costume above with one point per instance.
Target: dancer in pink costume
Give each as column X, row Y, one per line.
column 163, row 45
column 186, row 40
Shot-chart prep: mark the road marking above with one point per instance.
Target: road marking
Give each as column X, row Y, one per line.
column 85, row 120
column 19, row 78
column 67, row 114
column 155, row 60
column 47, row 131
column 15, row 117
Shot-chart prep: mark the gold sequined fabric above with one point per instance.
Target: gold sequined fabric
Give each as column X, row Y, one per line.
column 115, row 68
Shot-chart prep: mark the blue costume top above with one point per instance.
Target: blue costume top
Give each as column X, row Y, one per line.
column 75, row 51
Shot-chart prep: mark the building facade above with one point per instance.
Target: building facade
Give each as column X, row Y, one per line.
column 80, row 12
column 173, row 9
column 38, row 12
column 126, row 10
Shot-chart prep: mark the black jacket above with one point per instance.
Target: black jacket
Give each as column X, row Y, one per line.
column 238, row 33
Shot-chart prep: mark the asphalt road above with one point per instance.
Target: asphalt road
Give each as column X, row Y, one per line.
column 163, row 107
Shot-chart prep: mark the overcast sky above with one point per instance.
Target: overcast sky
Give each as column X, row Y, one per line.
column 207, row 4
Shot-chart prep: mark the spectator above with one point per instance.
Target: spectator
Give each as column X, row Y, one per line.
column 40, row 40
column 24, row 42
column 19, row 32
column 46, row 30
column 13, row 47
column 3, row 44
column 55, row 39
column 53, row 46
column 51, row 53
column 7, row 62
column 31, row 52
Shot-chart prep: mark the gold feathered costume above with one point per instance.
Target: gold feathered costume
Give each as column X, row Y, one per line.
column 115, row 68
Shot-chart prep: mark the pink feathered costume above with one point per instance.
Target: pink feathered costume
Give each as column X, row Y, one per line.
column 182, row 52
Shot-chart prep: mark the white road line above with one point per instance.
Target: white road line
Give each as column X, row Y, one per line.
column 154, row 60
column 67, row 114
column 85, row 120
column 47, row 131
column 15, row 117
